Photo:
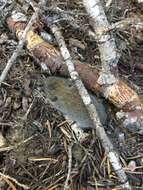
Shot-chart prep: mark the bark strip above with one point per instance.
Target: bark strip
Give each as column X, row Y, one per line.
column 120, row 94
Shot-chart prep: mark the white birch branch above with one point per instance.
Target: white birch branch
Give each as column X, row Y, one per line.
column 21, row 17
column 106, row 42
column 112, row 155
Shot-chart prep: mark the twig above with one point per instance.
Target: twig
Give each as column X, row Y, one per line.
column 14, row 180
column 111, row 154
column 9, row 148
column 106, row 42
column 128, row 22
column 20, row 44
column 28, row 110
column 66, row 186
column 34, row 159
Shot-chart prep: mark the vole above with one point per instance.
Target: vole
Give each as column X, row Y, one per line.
column 64, row 96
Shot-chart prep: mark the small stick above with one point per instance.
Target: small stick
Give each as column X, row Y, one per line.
column 111, row 154
column 66, row 186
column 106, row 42
column 20, row 44
column 14, row 180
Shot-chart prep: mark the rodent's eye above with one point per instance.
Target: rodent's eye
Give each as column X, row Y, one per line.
column 70, row 85
column 54, row 98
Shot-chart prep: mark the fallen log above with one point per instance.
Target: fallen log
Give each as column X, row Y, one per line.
column 119, row 93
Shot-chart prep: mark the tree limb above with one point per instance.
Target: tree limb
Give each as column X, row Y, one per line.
column 22, row 39
column 111, row 154
column 105, row 41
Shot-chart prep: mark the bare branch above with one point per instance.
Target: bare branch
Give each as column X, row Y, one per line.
column 106, row 42
column 112, row 155
column 22, row 40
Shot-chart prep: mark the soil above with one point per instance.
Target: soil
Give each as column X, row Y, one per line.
column 36, row 135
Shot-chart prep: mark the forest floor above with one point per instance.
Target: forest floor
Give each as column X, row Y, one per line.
column 35, row 143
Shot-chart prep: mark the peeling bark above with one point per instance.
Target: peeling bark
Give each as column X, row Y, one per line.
column 106, row 42
column 120, row 94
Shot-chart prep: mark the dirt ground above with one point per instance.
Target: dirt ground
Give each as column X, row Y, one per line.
column 36, row 135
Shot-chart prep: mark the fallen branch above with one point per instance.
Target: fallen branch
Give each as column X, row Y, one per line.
column 16, row 17
column 112, row 155
column 109, row 57
column 121, row 95
column 105, row 41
